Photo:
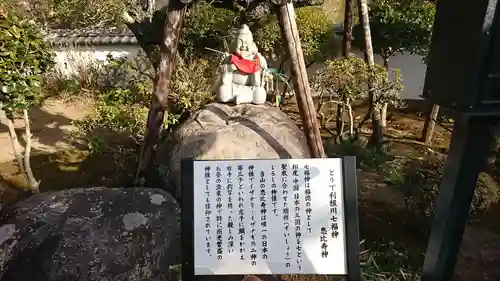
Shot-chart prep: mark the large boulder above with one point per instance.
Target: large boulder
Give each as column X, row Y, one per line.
column 94, row 234
column 221, row 131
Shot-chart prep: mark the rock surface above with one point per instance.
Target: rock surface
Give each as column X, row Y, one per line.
column 221, row 131
column 91, row 234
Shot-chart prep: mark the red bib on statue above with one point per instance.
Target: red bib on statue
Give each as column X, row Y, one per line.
column 244, row 65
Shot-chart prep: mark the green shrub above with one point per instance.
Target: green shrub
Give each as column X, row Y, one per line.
column 347, row 80
column 112, row 119
column 57, row 85
column 122, row 100
column 190, row 89
column 421, row 179
column 393, row 170
column 124, row 81
column 367, row 158
column 119, row 80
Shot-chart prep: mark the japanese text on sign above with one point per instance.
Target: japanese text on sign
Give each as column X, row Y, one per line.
column 269, row 217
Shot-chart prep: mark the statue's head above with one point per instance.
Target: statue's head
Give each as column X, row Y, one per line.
column 244, row 44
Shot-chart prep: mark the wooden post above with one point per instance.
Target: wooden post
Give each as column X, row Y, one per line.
column 430, row 123
column 288, row 26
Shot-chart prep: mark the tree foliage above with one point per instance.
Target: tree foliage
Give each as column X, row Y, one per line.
column 209, row 26
column 206, row 26
column 316, row 34
column 86, row 13
column 76, row 13
column 350, row 79
column 24, row 57
column 400, row 25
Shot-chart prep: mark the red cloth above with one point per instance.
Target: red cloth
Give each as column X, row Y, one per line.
column 244, row 65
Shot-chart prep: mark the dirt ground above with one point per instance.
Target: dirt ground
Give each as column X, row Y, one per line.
column 49, row 126
column 59, row 163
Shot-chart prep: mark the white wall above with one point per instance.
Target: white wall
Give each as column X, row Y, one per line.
column 70, row 58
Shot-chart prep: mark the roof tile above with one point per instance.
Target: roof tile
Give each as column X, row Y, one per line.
column 89, row 37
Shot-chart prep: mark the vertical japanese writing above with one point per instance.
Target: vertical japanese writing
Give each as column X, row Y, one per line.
column 307, row 197
column 286, row 212
column 323, row 238
column 252, row 215
column 218, row 208
column 263, row 217
column 334, row 226
column 253, row 243
column 296, row 218
column 274, row 192
column 230, row 219
column 241, row 212
column 208, row 212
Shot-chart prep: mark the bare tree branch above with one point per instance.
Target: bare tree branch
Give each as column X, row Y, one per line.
column 140, row 32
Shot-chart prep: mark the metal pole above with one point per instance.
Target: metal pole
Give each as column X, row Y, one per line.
column 470, row 145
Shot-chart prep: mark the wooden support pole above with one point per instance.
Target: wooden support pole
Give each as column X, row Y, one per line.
column 288, row 26
column 430, row 124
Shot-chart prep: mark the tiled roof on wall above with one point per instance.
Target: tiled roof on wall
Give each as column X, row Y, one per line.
column 89, row 37
column 107, row 37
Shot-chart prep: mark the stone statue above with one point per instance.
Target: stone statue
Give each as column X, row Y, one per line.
column 243, row 76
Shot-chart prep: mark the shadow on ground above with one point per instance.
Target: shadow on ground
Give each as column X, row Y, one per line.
column 65, row 170
column 47, row 129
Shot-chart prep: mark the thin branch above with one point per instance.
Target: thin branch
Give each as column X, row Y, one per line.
column 33, row 183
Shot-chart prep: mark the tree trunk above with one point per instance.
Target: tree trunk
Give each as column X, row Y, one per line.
column 338, row 121
column 386, row 63
column 383, row 113
column 376, row 137
column 351, row 119
column 16, row 146
column 288, row 26
column 430, row 124
column 22, row 156
column 159, row 102
column 365, row 23
column 348, row 21
column 346, row 50
column 342, row 124
column 383, row 116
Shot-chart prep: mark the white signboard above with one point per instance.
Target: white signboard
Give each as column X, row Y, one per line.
column 283, row 216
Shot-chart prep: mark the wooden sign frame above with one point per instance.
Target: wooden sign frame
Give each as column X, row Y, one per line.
column 351, row 220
